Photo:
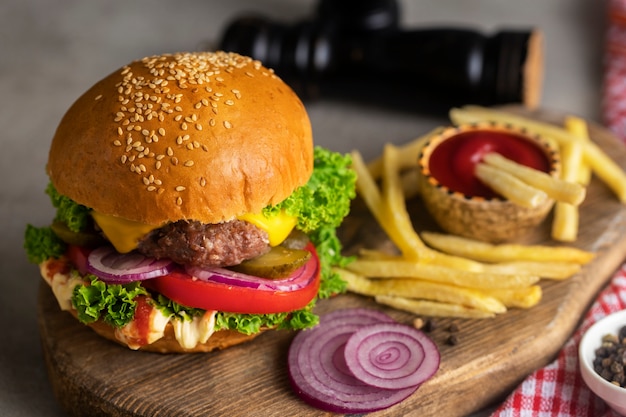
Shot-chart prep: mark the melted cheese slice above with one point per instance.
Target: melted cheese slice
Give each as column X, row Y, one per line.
column 277, row 227
column 125, row 234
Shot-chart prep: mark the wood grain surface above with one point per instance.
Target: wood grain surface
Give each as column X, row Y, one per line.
column 93, row 377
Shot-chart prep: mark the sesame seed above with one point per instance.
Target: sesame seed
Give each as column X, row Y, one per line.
column 151, row 188
column 183, row 126
column 180, row 188
column 179, row 201
column 98, row 97
column 161, row 131
column 158, row 164
column 198, row 126
column 116, row 142
column 188, row 163
column 170, row 152
column 227, row 124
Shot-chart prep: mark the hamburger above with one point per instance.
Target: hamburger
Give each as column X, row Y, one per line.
column 193, row 211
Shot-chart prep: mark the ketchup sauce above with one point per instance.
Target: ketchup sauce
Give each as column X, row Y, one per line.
column 454, row 160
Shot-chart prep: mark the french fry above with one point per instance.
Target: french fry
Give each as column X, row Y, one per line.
column 424, row 290
column 518, row 298
column 565, row 222
column 510, row 186
column 439, row 273
column 603, row 166
column 546, row 269
column 579, row 129
column 408, row 154
column 505, row 252
column 402, row 236
column 566, row 216
column 432, row 308
column 394, row 207
column 567, row 191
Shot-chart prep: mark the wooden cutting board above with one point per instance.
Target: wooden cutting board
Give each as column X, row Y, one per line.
column 93, row 377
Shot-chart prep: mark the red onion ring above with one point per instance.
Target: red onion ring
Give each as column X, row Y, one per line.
column 391, row 356
column 122, row 268
column 318, row 370
column 300, row 278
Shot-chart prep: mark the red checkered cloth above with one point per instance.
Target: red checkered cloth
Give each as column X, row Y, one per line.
column 614, row 88
column 558, row 389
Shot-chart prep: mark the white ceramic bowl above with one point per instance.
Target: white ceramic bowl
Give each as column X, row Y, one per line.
column 613, row 395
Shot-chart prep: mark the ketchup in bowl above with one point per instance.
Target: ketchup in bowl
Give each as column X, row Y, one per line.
column 459, row 202
column 454, row 160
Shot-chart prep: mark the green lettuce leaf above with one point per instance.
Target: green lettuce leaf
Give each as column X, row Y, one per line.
column 41, row 243
column 113, row 303
column 252, row 323
column 74, row 215
column 325, row 199
column 172, row 309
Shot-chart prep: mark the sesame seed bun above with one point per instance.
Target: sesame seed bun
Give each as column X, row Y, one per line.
column 188, row 136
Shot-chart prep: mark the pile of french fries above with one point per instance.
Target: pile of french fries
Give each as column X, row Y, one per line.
column 441, row 275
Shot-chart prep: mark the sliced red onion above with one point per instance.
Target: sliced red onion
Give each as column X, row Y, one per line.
column 300, row 278
column 121, row 268
column 318, row 370
column 392, row 356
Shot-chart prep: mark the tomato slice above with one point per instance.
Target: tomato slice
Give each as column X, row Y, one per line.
column 78, row 256
column 192, row 292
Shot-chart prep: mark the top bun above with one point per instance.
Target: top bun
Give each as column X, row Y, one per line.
column 188, row 136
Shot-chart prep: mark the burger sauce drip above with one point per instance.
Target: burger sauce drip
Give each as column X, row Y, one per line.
column 454, row 161
column 57, row 266
column 141, row 322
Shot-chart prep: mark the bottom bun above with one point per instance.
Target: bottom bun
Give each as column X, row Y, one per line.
column 168, row 343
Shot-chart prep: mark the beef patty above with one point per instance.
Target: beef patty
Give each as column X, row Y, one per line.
column 205, row 245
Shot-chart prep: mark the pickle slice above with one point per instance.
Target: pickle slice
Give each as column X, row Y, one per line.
column 87, row 239
column 279, row 262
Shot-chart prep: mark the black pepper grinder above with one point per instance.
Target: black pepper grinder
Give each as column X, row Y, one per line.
column 354, row 49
